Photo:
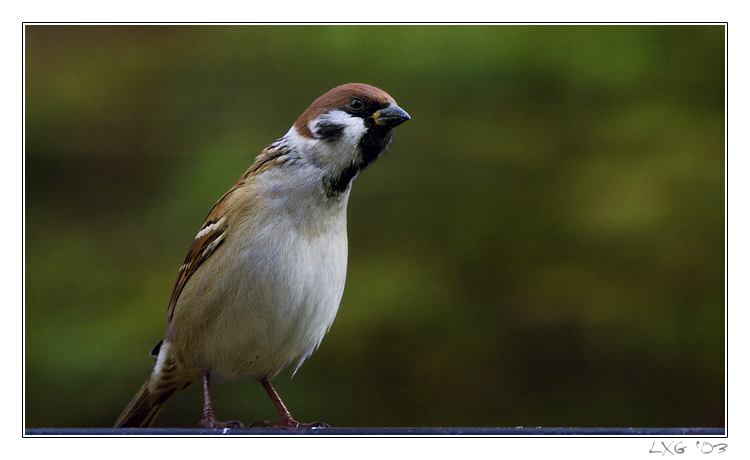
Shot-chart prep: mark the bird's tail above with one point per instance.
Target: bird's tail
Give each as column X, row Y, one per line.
column 144, row 407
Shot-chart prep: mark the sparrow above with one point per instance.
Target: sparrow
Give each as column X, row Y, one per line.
column 263, row 278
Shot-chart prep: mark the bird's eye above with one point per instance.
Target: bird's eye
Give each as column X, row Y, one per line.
column 356, row 103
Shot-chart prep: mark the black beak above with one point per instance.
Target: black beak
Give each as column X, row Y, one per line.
column 391, row 116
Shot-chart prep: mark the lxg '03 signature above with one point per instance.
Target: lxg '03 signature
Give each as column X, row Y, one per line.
column 681, row 447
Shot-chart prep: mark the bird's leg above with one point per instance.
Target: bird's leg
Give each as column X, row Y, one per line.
column 286, row 420
column 209, row 421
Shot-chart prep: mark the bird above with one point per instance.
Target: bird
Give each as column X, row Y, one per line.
column 263, row 278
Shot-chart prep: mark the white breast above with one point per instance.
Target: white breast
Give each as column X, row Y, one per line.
column 282, row 286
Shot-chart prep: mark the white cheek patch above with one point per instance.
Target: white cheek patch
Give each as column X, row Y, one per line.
column 352, row 128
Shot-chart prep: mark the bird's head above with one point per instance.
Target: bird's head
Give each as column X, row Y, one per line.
column 347, row 128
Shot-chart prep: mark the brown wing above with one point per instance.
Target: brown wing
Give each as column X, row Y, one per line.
column 210, row 236
column 212, row 233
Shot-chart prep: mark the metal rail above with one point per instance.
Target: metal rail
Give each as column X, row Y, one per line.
column 366, row 432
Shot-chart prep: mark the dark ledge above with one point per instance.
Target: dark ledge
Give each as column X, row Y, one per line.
column 517, row 431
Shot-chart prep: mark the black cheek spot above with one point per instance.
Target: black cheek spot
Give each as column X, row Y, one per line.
column 329, row 132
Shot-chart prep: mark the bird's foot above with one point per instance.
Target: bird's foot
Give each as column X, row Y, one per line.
column 289, row 424
column 212, row 423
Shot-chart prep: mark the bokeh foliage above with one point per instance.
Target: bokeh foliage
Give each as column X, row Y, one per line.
column 543, row 245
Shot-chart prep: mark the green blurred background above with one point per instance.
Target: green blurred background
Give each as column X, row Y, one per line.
column 543, row 244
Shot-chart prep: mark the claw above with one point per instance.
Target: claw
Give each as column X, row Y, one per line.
column 289, row 424
column 209, row 421
column 286, row 420
column 212, row 423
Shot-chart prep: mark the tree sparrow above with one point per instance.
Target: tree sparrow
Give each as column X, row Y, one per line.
column 263, row 279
